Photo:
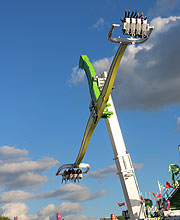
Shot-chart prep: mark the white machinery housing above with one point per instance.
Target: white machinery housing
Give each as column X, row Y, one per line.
column 123, row 163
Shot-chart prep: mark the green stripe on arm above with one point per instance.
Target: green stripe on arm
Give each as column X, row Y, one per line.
column 85, row 64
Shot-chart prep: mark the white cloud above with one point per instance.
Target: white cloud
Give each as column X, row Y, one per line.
column 178, row 123
column 8, row 153
column 70, row 192
column 148, row 78
column 67, row 210
column 102, row 65
column 80, row 217
column 26, row 180
column 73, row 192
column 111, row 170
column 18, row 172
column 46, row 211
column 164, row 24
column 98, row 24
column 40, row 166
column 15, row 196
column 102, row 173
column 15, row 209
column 137, row 166
column 162, row 7
column 77, row 76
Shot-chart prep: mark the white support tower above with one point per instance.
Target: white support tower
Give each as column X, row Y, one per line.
column 124, row 167
column 123, row 161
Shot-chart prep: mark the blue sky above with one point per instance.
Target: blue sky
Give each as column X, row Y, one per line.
column 45, row 98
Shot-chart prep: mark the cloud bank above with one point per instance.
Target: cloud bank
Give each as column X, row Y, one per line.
column 163, row 7
column 148, row 78
column 111, row 170
column 68, row 210
column 178, row 123
column 18, row 172
column 98, row 24
column 69, row 192
column 12, row 154
column 20, row 176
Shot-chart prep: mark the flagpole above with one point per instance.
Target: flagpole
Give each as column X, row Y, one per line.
column 150, row 196
column 154, row 200
column 159, row 186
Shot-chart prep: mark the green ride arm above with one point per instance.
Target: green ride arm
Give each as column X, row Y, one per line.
column 103, row 98
column 100, row 103
column 85, row 64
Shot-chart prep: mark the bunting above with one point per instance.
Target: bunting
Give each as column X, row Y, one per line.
column 157, row 196
column 168, row 185
column 121, row 204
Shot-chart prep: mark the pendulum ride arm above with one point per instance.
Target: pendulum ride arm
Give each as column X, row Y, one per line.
column 85, row 64
column 100, row 101
column 136, row 26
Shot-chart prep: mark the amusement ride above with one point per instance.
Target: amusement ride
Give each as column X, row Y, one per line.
column 138, row 31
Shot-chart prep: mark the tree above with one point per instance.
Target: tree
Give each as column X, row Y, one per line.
column 100, row 219
column 4, row 218
column 120, row 217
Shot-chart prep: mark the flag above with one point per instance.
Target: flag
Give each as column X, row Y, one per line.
column 58, row 216
column 141, row 198
column 157, row 196
column 168, row 185
column 121, row 204
column 161, row 187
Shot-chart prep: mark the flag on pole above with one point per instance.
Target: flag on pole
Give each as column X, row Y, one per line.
column 121, row 204
column 157, row 196
column 141, row 198
column 58, row 216
column 161, row 187
column 168, row 185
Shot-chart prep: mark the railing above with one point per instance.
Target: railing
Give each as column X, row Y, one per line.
column 168, row 194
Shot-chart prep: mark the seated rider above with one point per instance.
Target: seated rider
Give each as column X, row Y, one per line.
column 65, row 173
column 64, row 176
column 69, row 172
column 73, row 171
column 79, row 173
